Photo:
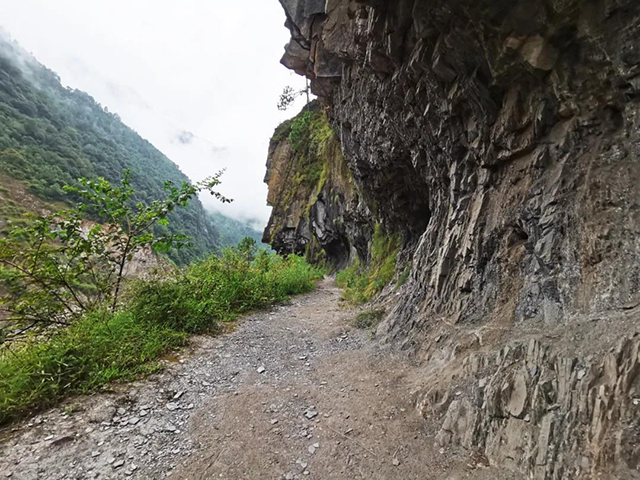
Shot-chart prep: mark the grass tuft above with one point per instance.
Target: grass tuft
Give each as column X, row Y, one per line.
column 369, row 319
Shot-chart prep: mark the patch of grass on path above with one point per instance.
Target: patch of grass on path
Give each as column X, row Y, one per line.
column 157, row 317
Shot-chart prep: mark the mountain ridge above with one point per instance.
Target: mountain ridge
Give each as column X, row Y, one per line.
column 52, row 135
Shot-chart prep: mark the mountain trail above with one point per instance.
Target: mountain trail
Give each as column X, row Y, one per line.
column 295, row 392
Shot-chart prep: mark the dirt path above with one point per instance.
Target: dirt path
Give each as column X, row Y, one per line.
column 292, row 393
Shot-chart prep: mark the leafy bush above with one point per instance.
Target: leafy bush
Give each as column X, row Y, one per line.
column 100, row 348
column 157, row 316
column 299, row 133
column 220, row 288
column 56, row 268
column 362, row 284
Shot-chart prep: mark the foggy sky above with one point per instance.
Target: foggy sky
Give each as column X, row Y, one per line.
column 199, row 79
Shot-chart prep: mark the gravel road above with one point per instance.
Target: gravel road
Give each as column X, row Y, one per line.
column 291, row 393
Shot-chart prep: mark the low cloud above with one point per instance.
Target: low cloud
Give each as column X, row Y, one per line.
column 205, row 95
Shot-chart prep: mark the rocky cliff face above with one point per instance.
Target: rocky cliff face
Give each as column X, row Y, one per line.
column 317, row 210
column 501, row 140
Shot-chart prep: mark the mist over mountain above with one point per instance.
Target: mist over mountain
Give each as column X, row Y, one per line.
column 170, row 68
column 52, row 135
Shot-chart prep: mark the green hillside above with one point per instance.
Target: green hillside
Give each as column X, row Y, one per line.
column 51, row 136
column 232, row 232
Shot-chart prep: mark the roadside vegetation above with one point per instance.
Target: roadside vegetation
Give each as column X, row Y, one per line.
column 72, row 322
column 362, row 283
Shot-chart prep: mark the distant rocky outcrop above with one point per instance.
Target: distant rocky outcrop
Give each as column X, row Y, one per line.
column 316, row 207
column 501, row 140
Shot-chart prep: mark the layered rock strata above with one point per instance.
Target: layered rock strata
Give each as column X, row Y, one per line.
column 502, row 141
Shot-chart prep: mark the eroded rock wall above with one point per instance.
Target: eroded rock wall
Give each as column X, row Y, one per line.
column 501, row 139
column 317, row 210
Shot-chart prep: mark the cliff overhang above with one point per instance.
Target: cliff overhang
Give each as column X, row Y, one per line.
column 501, row 141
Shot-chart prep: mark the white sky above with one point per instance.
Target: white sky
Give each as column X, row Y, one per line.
column 209, row 67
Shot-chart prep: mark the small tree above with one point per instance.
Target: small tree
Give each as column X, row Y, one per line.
column 248, row 248
column 58, row 266
column 289, row 95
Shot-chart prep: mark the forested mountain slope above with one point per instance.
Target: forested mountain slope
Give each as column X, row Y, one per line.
column 232, row 231
column 51, row 135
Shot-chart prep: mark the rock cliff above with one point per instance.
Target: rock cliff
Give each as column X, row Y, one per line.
column 501, row 141
column 317, row 210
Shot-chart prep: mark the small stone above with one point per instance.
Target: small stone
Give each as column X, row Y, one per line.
column 178, row 395
column 311, row 449
column 8, row 474
column 95, row 453
column 289, row 476
column 274, row 421
column 306, row 472
column 172, row 406
column 110, row 460
column 121, row 411
column 311, row 414
column 170, row 428
column 143, row 413
column 134, row 421
column 581, row 374
column 261, row 369
column 395, row 462
column 118, row 464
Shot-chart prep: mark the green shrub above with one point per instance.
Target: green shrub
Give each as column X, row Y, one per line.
column 354, row 280
column 170, row 304
column 157, row 316
column 299, row 133
column 100, row 348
